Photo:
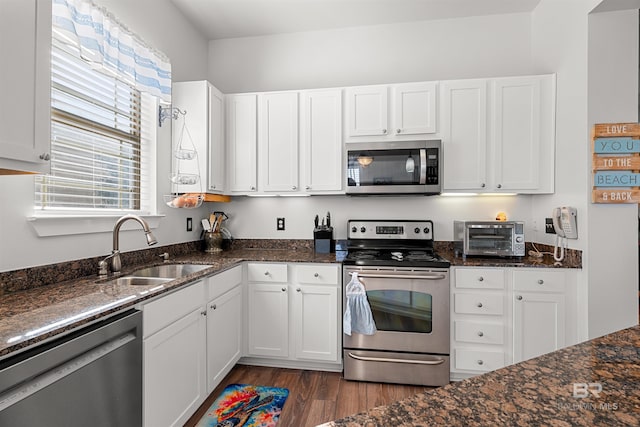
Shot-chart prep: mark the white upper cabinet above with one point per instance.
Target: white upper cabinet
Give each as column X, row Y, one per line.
column 321, row 141
column 414, row 108
column 25, row 119
column 523, row 132
column 204, row 119
column 242, row 137
column 499, row 134
column 278, row 142
column 463, row 106
column 367, row 113
column 391, row 112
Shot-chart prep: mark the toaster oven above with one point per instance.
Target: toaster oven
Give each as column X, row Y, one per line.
column 489, row 238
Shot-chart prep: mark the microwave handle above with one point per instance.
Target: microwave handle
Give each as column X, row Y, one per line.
column 423, row 166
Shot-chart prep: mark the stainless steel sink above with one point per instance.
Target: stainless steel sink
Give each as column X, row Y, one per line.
column 138, row 281
column 173, row 271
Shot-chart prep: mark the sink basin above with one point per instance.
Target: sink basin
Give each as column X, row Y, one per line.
column 138, row 281
column 172, row 271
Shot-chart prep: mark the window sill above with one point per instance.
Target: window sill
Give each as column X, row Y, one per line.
column 52, row 225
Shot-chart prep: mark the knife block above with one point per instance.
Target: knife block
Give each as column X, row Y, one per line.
column 323, row 242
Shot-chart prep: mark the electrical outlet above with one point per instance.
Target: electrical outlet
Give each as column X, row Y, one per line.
column 548, row 226
column 280, row 224
column 189, row 224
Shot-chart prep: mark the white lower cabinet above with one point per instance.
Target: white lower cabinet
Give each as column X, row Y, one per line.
column 501, row 316
column 293, row 313
column 539, row 313
column 224, row 325
column 174, row 357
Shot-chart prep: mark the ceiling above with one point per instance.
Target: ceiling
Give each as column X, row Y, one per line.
column 220, row 19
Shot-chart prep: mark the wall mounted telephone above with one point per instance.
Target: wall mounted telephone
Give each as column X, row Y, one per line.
column 565, row 225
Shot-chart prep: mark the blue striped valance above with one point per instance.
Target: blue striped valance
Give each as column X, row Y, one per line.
column 105, row 42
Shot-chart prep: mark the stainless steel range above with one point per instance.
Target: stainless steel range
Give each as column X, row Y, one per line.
column 407, row 286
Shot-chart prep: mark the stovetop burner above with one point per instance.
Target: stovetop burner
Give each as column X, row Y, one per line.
column 392, row 243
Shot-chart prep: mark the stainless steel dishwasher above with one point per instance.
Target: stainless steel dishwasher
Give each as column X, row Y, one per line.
column 91, row 377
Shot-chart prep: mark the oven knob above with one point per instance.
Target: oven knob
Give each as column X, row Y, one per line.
column 416, row 230
column 363, row 229
column 519, row 239
column 354, row 229
column 426, row 230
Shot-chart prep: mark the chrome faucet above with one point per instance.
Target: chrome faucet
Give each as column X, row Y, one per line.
column 116, row 263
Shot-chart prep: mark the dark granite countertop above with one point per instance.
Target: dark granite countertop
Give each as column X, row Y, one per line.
column 32, row 316
column 535, row 392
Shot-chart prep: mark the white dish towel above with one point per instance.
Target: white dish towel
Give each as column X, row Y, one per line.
column 357, row 313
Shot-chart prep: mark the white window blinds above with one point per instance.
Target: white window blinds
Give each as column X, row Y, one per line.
column 96, row 139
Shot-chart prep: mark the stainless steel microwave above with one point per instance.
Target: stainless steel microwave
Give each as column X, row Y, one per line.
column 397, row 167
column 489, row 238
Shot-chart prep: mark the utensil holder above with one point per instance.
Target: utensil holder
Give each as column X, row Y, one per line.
column 212, row 242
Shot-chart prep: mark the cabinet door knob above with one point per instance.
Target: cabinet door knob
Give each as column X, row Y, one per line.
column 384, row 131
column 266, row 273
column 45, row 156
column 213, row 306
column 499, row 185
column 308, row 187
column 283, row 289
column 316, row 275
column 213, row 186
column 519, row 297
column 294, row 187
column 204, row 312
column 480, row 362
column 398, row 130
column 480, row 333
column 298, row 290
column 253, row 188
column 479, row 304
column 540, row 282
column 483, row 185
column 480, row 279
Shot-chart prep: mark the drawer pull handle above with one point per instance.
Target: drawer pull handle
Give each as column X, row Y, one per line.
column 480, row 362
column 480, row 279
column 480, row 333
column 519, row 297
column 435, row 361
column 540, row 282
column 316, row 275
column 479, row 305
column 266, row 273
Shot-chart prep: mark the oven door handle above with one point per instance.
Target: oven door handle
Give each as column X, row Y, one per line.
column 436, row 361
column 426, row 276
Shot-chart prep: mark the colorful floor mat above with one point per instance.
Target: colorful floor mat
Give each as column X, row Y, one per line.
column 241, row 405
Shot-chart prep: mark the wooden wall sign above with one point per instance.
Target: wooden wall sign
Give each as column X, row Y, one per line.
column 616, row 163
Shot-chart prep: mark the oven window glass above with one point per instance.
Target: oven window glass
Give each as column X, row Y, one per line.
column 401, row 311
column 383, row 167
column 498, row 239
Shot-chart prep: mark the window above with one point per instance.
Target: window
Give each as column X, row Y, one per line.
column 96, row 147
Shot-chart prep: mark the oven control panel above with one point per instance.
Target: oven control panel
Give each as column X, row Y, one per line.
column 407, row 229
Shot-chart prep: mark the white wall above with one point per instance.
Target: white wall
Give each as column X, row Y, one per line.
column 161, row 25
column 256, row 217
column 431, row 50
column 613, row 229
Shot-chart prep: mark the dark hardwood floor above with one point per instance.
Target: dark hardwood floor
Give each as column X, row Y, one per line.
column 315, row 397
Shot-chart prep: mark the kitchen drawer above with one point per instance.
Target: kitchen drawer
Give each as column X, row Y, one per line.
column 540, row 280
column 478, row 360
column 478, row 332
column 267, row 272
column 224, row 281
column 169, row 308
column 317, row 274
column 479, row 278
column 477, row 303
